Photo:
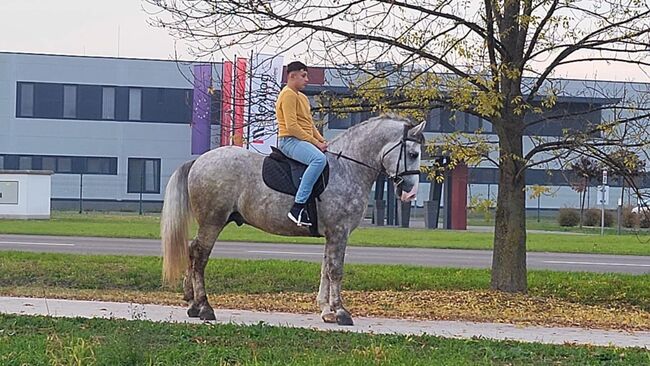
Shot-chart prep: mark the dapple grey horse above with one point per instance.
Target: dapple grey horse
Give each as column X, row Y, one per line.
column 225, row 184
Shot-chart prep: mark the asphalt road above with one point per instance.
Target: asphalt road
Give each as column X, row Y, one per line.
column 409, row 256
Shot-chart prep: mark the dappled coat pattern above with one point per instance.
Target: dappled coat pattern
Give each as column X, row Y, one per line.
column 226, row 185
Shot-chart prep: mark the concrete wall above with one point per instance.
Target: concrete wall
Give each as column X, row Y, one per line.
column 25, row 194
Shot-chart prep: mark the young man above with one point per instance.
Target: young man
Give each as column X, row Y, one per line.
column 298, row 137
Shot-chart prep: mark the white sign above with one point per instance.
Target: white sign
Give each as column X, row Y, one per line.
column 603, row 195
column 265, row 88
column 9, row 192
column 604, row 177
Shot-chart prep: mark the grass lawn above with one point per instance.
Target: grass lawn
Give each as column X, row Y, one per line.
column 134, row 226
column 230, row 276
column 41, row 340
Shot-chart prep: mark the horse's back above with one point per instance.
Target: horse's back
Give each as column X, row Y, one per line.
column 219, row 177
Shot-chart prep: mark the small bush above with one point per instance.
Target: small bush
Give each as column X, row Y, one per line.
column 568, row 217
column 644, row 219
column 628, row 218
column 592, row 217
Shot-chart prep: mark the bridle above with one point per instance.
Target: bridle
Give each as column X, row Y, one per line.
column 398, row 178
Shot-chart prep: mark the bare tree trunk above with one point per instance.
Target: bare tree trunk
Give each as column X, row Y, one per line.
column 509, row 255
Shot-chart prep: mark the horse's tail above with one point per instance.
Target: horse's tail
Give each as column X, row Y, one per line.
column 174, row 222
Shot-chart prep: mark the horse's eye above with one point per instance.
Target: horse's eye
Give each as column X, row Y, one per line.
column 413, row 155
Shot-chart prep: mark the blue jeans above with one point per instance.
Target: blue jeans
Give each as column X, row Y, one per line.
column 308, row 154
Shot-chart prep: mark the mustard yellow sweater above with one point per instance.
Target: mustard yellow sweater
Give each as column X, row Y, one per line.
column 294, row 117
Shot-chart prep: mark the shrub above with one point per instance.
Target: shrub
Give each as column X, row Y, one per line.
column 644, row 219
column 568, row 217
column 628, row 218
column 592, row 217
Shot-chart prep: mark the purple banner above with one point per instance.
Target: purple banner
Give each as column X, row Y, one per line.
column 201, row 109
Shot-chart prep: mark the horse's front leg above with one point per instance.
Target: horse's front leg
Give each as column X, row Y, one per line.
column 322, row 299
column 335, row 258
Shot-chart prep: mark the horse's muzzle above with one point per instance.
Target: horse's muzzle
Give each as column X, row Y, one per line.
column 411, row 195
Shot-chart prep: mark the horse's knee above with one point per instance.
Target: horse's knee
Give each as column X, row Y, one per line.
column 335, row 274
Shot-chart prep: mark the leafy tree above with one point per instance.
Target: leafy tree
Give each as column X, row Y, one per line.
column 492, row 60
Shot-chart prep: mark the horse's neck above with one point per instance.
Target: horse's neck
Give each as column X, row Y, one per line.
column 364, row 144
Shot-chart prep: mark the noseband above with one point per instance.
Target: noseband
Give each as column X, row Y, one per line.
column 398, row 178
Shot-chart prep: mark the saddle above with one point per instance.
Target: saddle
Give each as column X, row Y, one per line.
column 283, row 174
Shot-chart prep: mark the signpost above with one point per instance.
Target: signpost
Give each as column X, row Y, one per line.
column 603, row 199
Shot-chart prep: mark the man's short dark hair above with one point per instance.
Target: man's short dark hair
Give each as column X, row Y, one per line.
column 296, row 66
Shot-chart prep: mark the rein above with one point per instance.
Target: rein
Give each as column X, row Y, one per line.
column 398, row 177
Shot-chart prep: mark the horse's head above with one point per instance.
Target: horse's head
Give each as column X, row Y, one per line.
column 401, row 161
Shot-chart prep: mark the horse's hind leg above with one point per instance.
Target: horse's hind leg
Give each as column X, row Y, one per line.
column 194, row 283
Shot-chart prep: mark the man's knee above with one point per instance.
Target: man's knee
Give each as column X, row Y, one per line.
column 319, row 160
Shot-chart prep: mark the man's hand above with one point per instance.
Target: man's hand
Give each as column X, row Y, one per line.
column 322, row 146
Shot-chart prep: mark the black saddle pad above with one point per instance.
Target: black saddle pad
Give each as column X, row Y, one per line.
column 283, row 174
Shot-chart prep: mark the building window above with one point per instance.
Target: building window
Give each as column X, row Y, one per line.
column 135, row 104
column 143, row 176
column 25, row 163
column 433, row 121
column 2, row 162
column 48, row 163
column 64, row 165
column 69, row 101
column 347, row 120
column 108, row 103
column 26, row 100
column 98, row 166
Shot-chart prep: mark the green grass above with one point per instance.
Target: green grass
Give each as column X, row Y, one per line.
column 134, row 226
column 272, row 276
column 42, row 341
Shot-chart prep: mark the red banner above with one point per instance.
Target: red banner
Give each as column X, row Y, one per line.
column 240, row 90
column 226, row 103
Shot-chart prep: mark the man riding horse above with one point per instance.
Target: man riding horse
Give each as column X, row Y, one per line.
column 298, row 137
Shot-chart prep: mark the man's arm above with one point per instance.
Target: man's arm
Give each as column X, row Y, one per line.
column 317, row 135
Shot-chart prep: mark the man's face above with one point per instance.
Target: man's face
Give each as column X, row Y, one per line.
column 299, row 79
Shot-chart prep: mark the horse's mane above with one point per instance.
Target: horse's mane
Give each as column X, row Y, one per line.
column 372, row 120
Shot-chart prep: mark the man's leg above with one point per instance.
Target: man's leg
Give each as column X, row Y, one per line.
column 309, row 154
column 315, row 160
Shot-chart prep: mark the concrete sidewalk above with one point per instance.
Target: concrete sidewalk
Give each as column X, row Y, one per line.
column 450, row 329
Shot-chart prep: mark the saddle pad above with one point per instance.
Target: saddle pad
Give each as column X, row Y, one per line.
column 283, row 174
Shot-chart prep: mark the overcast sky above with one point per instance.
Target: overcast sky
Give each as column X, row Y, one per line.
column 91, row 27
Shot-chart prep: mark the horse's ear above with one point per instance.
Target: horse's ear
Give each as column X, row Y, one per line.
column 416, row 131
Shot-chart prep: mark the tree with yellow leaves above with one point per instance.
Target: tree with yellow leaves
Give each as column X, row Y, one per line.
column 494, row 60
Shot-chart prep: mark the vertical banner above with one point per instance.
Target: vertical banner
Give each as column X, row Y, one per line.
column 201, row 109
column 265, row 88
column 226, row 103
column 240, row 90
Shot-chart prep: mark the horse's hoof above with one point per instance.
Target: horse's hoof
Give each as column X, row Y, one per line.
column 193, row 311
column 343, row 318
column 329, row 317
column 207, row 313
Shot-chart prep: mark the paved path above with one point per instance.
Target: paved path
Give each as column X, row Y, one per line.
column 449, row 329
column 411, row 256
